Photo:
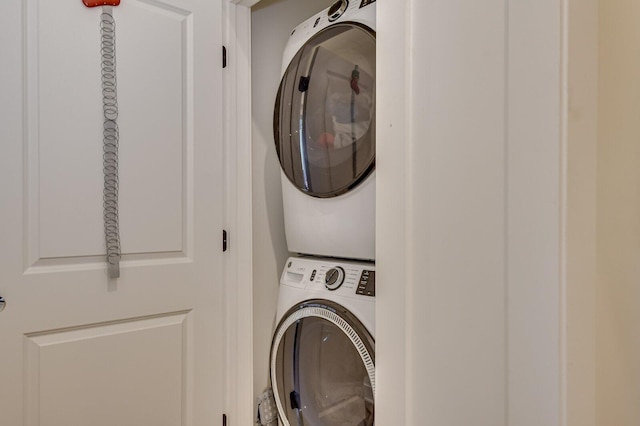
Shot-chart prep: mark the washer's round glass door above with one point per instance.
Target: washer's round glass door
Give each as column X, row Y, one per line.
column 322, row 367
column 324, row 118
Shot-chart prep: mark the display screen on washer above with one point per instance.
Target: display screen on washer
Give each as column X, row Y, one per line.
column 321, row 377
column 324, row 119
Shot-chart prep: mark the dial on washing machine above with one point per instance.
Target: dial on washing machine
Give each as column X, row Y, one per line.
column 334, row 278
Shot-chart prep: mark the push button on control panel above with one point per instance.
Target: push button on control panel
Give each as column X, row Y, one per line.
column 367, row 284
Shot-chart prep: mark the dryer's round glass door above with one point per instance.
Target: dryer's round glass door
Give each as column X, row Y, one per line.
column 322, row 367
column 324, row 118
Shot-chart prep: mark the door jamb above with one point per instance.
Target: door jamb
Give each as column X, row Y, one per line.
column 240, row 402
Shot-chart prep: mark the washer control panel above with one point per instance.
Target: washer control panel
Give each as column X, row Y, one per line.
column 367, row 284
column 343, row 278
column 334, row 278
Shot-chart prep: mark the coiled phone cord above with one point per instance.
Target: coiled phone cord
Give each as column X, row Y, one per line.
column 110, row 141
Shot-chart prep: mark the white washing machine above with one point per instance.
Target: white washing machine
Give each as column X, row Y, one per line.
column 324, row 127
column 322, row 355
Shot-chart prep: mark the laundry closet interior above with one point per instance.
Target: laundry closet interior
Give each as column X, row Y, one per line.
column 272, row 24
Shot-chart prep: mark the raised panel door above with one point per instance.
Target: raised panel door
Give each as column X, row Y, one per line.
column 78, row 348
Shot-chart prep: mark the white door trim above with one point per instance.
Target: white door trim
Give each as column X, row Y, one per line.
column 245, row 3
column 240, row 404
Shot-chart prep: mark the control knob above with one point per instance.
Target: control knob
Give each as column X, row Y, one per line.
column 337, row 9
column 334, row 278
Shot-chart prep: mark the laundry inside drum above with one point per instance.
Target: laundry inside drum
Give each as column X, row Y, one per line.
column 326, row 382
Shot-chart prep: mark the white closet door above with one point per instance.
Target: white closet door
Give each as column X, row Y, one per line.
column 76, row 348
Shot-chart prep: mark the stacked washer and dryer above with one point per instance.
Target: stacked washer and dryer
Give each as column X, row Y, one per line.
column 322, row 357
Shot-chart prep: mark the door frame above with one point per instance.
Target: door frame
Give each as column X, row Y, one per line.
column 556, row 297
column 240, row 403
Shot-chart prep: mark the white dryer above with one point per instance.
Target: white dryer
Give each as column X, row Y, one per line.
column 324, row 127
column 322, row 356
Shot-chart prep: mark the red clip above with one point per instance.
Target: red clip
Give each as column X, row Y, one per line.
column 95, row 3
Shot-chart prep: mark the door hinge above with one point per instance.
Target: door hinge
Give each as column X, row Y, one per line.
column 224, row 420
column 224, row 56
column 224, row 240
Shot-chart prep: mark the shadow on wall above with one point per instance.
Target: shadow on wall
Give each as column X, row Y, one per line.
column 272, row 23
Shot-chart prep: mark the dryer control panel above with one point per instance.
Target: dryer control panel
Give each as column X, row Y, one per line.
column 360, row 11
column 341, row 278
column 337, row 9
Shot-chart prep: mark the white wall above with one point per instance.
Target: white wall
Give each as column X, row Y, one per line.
column 469, row 232
column 618, row 333
column 272, row 22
